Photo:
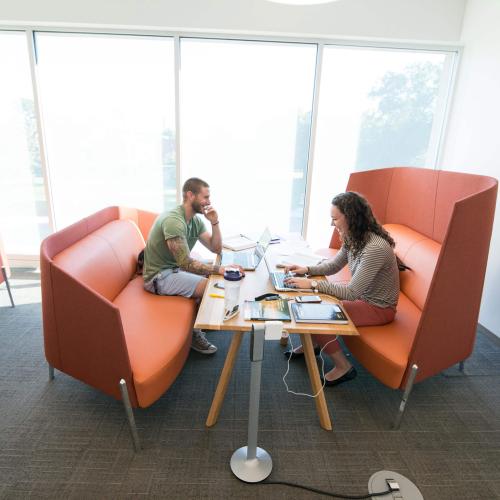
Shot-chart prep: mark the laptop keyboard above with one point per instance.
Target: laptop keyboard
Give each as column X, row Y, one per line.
column 278, row 280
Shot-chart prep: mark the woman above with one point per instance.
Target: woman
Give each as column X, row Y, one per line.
column 371, row 297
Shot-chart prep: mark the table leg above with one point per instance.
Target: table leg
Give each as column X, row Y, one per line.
column 224, row 379
column 312, row 367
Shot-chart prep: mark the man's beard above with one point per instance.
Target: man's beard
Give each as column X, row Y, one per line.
column 196, row 206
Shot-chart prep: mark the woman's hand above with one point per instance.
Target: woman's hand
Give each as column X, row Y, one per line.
column 296, row 269
column 298, row 282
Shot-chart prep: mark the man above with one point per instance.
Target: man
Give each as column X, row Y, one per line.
column 168, row 267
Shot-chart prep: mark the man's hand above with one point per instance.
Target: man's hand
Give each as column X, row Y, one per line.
column 222, row 269
column 296, row 269
column 211, row 214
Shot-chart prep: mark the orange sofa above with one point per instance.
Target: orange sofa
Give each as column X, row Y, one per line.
column 441, row 222
column 99, row 324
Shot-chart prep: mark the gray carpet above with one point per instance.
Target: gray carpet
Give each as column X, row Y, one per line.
column 63, row 439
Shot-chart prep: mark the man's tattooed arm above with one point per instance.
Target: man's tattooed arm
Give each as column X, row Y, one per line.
column 179, row 248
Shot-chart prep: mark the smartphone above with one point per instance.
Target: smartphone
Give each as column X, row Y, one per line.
column 308, row 299
column 219, row 284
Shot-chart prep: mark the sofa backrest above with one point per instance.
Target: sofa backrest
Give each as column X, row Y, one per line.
column 105, row 259
column 419, row 198
column 442, row 223
column 104, row 266
column 420, row 254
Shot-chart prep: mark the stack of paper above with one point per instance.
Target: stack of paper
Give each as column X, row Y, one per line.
column 301, row 259
column 238, row 242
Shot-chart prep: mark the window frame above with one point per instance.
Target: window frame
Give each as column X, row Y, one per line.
column 453, row 52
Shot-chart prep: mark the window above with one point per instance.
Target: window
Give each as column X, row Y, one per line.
column 377, row 108
column 109, row 113
column 24, row 217
column 245, row 118
column 109, row 120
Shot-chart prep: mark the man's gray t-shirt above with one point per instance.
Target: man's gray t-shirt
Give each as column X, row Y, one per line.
column 172, row 224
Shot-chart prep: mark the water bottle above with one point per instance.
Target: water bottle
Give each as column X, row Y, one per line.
column 232, row 282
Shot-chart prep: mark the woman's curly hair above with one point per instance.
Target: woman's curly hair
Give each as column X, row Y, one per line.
column 360, row 220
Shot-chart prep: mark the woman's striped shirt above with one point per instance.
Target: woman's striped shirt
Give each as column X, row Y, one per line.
column 374, row 271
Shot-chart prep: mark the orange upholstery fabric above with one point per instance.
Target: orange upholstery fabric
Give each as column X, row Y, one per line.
column 158, row 336
column 384, row 350
column 433, row 218
column 420, row 254
column 100, row 325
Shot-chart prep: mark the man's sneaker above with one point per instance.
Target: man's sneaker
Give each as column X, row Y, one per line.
column 201, row 344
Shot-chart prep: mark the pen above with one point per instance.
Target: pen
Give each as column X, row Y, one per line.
column 217, row 295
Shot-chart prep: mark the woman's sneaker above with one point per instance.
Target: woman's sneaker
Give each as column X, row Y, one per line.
column 201, row 344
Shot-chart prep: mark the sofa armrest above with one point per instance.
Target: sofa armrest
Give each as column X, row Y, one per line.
column 89, row 336
column 447, row 329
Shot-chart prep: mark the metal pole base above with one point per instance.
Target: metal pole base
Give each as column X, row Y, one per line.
column 130, row 415
column 406, row 395
column 407, row 489
column 251, row 470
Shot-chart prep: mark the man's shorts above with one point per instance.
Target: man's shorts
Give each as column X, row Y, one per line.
column 173, row 282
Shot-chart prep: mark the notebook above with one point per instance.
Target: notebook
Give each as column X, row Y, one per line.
column 238, row 242
column 319, row 313
column 301, row 259
column 267, row 310
column 248, row 260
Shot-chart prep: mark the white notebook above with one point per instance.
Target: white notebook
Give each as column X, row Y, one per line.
column 238, row 242
column 301, row 259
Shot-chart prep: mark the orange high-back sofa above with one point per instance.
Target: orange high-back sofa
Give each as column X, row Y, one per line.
column 441, row 222
column 99, row 324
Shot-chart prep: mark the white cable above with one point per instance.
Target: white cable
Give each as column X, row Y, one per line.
column 322, row 370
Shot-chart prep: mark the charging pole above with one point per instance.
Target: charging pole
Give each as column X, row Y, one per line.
column 250, row 463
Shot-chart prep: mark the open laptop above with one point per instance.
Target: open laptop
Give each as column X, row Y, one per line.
column 277, row 279
column 248, row 260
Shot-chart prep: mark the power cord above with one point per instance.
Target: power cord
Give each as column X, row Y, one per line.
column 322, row 370
column 391, row 484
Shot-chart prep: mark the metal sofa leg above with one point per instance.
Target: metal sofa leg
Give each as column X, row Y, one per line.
column 130, row 415
column 4, row 272
column 406, row 394
column 51, row 372
column 461, row 366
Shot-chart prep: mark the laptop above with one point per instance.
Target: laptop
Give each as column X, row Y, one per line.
column 277, row 279
column 251, row 259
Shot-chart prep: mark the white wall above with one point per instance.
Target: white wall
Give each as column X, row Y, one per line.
column 393, row 19
column 473, row 141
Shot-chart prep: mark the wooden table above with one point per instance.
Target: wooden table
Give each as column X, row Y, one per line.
column 256, row 283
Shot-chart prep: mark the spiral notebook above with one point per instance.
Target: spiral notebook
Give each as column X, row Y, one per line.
column 319, row 313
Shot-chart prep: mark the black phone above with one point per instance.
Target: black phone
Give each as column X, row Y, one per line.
column 308, row 299
column 219, row 284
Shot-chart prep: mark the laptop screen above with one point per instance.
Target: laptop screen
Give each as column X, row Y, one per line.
column 267, row 265
column 263, row 243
